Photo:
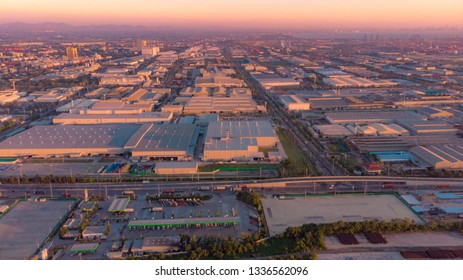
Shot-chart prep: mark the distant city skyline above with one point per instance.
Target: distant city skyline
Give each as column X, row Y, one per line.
column 240, row 13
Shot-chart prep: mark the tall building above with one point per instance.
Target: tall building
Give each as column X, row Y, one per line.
column 141, row 44
column 71, row 53
column 152, row 51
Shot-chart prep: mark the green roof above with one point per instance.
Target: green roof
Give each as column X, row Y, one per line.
column 8, row 159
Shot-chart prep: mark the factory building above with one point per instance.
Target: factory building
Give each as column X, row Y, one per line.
column 217, row 104
column 365, row 117
column 68, row 140
column 172, row 141
column 294, row 103
column 238, row 140
column 333, row 130
column 441, row 156
column 150, row 117
column 169, row 141
column 269, row 81
column 419, row 127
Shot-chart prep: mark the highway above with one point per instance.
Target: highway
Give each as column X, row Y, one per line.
column 298, row 184
column 310, row 153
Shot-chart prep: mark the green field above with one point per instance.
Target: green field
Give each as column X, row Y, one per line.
column 296, row 165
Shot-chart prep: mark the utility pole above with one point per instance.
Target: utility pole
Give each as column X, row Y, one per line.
column 51, row 191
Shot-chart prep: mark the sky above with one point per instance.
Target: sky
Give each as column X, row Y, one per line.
column 240, row 13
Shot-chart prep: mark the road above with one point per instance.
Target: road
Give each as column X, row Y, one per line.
column 278, row 112
column 325, row 184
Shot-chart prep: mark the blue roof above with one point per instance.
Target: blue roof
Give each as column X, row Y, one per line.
column 452, row 209
column 418, row 209
column 448, row 195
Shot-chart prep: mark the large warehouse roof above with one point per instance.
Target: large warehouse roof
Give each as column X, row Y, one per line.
column 162, row 140
column 441, row 156
column 149, row 117
column 360, row 117
column 68, row 139
column 241, row 129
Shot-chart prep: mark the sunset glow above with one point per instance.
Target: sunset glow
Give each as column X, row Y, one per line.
column 239, row 13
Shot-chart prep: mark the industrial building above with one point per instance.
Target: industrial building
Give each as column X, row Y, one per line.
column 418, row 126
column 435, row 112
column 269, row 81
column 327, row 103
column 77, row 104
column 118, row 107
column 218, row 81
column 441, row 156
column 8, row 96
column 238, row 140
column 346, row 81
column 160, row 244
column 122, row 80
column 365, row 117
column 92, row 232
column 400, row 143
column 68, row 140
column 378, row 129
column 294, row 103
column 119, row 205
column 146, row 95
column 332, row 130
column 164, row 141
column 206, row 221
column 150, row 117
column 217, row 104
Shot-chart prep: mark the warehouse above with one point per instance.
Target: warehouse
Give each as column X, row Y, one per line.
column 84, row 248
column 176, row 168
column 195, row 222
column 217, row 104
column 160, row 244
column 233, row 140
column 400, row 143
column 441, row 156
column 77, row 104
column 435, row 112
column 164, row 141
column 365, row 117
column 273, row 80
column 294, row 103
column 418, row 127
column 119, row 205
column 92, row 232
column 149, row 117
column 118, row 107
column 327, row 103
column 357, row 82
column 332, row 130
column 379, row 129
column 152, row 95
column 218, row 81
column 68, row 140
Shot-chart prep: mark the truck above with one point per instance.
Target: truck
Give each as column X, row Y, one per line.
column 204, row 188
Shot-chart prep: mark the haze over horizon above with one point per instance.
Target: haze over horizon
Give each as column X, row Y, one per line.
column 240, row 13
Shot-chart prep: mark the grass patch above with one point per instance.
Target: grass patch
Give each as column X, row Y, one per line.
column 274, row 247
column 296, row 165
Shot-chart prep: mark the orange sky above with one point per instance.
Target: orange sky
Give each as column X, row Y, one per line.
column 240, row 13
